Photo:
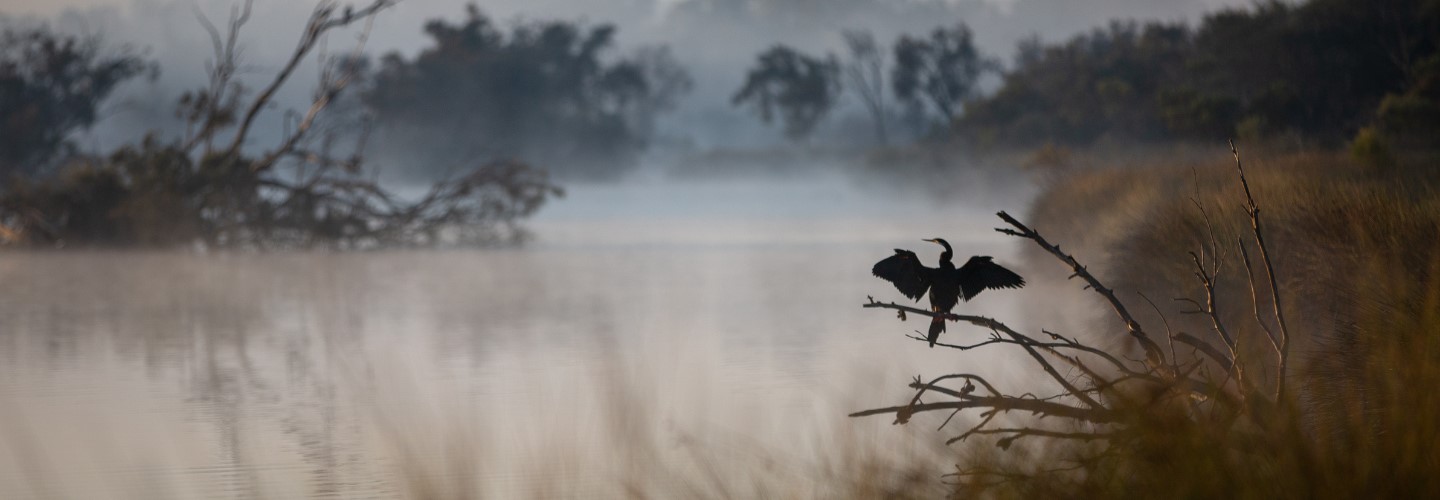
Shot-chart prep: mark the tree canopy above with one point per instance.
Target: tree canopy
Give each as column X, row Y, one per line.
column 548, row 91
column 1318, row 69
column 940, row 71
column 801, row 89
column 50, row 86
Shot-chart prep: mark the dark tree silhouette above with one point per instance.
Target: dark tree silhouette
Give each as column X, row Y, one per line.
column 1321, row 70
column 943, row 70
column 208, row 188
column 547, row 91
column 50, row 86
column 800, row 88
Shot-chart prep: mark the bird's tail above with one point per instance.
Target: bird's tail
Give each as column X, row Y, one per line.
column 937, row 325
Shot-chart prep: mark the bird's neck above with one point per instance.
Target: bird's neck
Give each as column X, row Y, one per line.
column 945, row 260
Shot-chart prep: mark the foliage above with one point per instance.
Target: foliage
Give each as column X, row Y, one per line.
column 50, row 86
column 1319, row 68
column 802, row 89
column 1107, row 82
column 942, row 70
column 1369, row 148
column 1412, row 118
column 548, row 91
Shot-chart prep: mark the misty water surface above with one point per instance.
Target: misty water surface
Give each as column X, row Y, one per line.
column 679, row 323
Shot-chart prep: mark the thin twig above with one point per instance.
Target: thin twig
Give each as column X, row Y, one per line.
column 1254, row 211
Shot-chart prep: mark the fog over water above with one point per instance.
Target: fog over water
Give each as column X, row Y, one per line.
column 657, row 328
column 728, row 328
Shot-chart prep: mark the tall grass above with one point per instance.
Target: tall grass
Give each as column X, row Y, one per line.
column 1357, row 254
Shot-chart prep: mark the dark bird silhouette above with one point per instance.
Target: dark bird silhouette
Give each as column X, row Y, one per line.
column 946, row 284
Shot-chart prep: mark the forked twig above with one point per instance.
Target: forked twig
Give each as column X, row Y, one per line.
column 1254, row 211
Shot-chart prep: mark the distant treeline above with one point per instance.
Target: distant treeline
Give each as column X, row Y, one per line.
column 1319, row 71
column 1322, row 69
column 550, row 92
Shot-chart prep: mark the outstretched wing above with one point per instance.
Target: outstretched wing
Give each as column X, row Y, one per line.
column 905, row 271
column 981, row 273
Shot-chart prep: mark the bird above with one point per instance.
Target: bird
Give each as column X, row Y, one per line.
column 946, row 284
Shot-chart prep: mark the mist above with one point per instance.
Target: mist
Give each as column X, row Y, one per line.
column 719, row 249
column 713, row 40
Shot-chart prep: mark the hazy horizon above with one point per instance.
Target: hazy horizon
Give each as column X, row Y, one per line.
column 714, row 39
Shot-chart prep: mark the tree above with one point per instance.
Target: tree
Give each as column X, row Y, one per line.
column 1322, row 69
column 866, row 73
column 50, row 86
column 944, row 69
column 548, row 91
column 209, row 187
column 800, row 88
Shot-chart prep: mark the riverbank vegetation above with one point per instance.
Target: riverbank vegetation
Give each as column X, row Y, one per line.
column 1213, row 364
column 1203, row 362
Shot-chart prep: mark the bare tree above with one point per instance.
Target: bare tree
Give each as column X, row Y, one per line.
column 866, row 72
column 300, row 192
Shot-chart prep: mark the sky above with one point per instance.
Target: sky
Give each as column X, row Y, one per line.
column 715, row 39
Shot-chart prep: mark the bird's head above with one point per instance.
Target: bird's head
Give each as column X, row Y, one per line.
column 940, row 242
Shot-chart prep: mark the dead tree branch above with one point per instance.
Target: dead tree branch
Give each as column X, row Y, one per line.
column 1154, row 356
column 1253, row 211
column 323, row 19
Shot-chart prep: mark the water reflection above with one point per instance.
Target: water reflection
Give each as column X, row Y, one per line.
column 623, row 351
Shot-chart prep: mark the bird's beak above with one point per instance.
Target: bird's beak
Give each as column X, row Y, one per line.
column 928, row 241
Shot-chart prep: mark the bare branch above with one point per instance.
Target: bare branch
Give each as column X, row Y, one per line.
column 1016, row 433
column 1035, row 406
column 995, row 326
column 1207, row 280
column 1254, row 211
column 1154, row 356
column 1169, row 334
column 1204, row 347
column 322, row 19
column 1021, row 340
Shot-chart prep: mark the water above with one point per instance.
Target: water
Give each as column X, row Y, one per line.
column 658, row 335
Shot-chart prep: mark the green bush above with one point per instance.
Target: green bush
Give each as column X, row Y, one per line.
column 1371, row 149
